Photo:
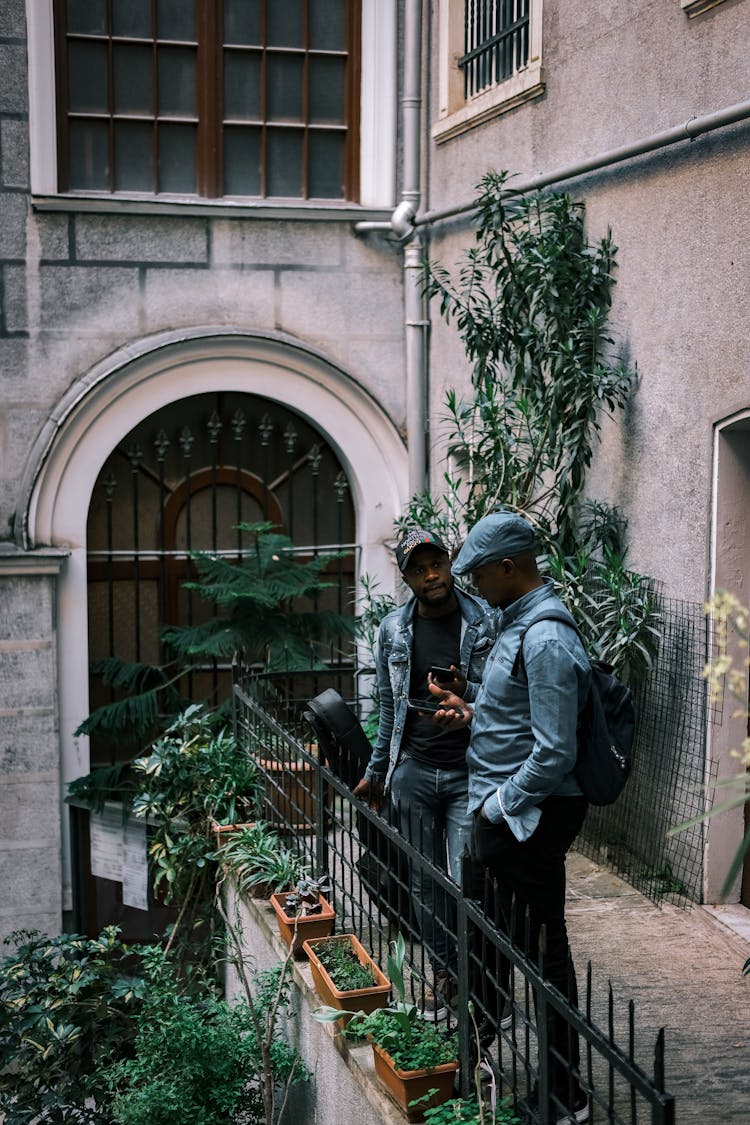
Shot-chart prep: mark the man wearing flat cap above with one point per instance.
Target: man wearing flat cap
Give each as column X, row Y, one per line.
column 526, row 803
column 423, row 766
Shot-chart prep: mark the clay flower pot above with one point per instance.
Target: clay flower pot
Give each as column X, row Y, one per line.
column 349, row 1000
column 406, row 1085
column 296, row 929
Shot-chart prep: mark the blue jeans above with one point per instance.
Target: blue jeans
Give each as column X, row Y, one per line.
column 431, row 813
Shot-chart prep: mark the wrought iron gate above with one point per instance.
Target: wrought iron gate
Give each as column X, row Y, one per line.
column 182, row 481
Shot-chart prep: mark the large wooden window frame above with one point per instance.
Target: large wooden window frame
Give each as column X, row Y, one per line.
column 209, row 118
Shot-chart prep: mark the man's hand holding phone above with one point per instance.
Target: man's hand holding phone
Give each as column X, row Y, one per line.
column 453, row 713
column 447, row 679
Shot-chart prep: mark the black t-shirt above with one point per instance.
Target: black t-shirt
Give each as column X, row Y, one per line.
column 437, row 640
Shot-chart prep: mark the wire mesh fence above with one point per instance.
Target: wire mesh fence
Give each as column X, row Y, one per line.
column 666, row 786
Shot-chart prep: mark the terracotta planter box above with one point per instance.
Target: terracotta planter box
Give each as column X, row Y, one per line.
column 406, row 1085
column 356, row 999
column 224, row 831
column 291, row 791
column 295, row 931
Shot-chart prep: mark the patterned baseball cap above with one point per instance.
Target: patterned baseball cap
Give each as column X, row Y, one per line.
column 416, row 537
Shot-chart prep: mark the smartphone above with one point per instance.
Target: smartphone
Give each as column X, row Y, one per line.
column 442, row 675
column 424, row 707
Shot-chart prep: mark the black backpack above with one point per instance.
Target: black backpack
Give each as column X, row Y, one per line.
column 606, row 726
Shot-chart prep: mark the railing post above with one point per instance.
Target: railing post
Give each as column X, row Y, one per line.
column 465, row 1024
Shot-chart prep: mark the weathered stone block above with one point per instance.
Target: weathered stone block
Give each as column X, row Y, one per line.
column 15, row 306
column 142, row 239
column 13, row 209
column 25, row 608
column 14, row 144
column 52, row 234
column 235, row 297
column 29, row 742
column 12, row 19
column 86, row 300
column 318, row 305
column 27, row 677
column 13, row 78
column 257, row 243
column 30, row 875
column 20, row 807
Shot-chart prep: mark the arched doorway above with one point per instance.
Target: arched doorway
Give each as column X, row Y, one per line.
column 111, row 400
column 186, row 479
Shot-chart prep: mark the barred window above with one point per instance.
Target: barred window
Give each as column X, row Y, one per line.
column 496, row 42
column 211, row 98
column 490, row 61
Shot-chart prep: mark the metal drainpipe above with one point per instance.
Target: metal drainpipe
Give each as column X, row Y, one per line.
column 402, row 224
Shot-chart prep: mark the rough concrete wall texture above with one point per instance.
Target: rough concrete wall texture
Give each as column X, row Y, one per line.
column 615, row 74
column 30, row 873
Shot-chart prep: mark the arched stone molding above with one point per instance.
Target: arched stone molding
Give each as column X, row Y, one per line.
column 106, row 403
column 729, row 570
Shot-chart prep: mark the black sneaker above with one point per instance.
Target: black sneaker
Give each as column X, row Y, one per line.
column 579, row 1114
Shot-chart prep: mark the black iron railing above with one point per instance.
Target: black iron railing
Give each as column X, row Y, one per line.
column 308, row 798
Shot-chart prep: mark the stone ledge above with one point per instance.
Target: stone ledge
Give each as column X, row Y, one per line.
column 343, row 1074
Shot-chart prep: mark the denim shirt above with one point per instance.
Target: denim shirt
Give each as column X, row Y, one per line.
column 393, row 669
column 523, row 734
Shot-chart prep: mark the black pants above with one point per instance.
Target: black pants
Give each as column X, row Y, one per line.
column 530, row 876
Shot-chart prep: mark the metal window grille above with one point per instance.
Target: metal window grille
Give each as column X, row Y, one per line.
column 496, row 42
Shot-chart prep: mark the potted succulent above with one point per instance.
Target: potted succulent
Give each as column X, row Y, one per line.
column 413, row 1059
column 304, row 912
column 345, row 975
column 259, row 863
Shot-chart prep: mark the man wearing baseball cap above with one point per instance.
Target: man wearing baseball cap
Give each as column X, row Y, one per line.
column 526, row 803
column 423, row 766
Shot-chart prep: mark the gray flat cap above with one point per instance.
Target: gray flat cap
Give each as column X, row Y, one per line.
column 500, row 535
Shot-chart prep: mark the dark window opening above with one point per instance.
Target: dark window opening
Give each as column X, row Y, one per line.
column 213, row 99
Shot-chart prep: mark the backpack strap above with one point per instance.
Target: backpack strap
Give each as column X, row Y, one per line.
column 551, row 615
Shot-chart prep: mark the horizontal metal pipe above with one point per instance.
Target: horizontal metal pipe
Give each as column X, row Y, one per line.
column 692, row 128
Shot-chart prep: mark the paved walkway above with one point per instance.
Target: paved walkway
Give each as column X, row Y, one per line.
column 683, row 971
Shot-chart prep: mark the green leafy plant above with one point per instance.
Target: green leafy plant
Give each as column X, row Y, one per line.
column 264, row 610
column 531, row 303
column 198, row 1059
column 259, row 863
column 304, row 899
column 340, row 961
column 412, row 1042
column 465, row 1111
column 67, row 1008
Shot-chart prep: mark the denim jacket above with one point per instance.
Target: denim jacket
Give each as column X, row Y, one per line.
column 523, row 734
column 393, row 669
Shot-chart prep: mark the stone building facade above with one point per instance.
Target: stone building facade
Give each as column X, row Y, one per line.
column 118, row 302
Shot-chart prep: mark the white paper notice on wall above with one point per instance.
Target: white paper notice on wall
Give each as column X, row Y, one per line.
column 105, row 832
column 134, row 865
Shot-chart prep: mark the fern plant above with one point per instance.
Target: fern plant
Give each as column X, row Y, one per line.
column 265, row 612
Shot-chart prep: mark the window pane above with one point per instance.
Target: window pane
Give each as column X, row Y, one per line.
column 242, row 85
column 284, row 88
column 177, row 158
column 133, row 156
column 87, row 17
column 284, row 162
column 87, row 77
column 131, row 18
column 132, row 71
column 89, row 162
column 284, row 23
column 176, row 19
column 241, row 161
column 327, row 25
column 326, row 165
column 177, row 81
column 327, row 91
column 242, row 22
